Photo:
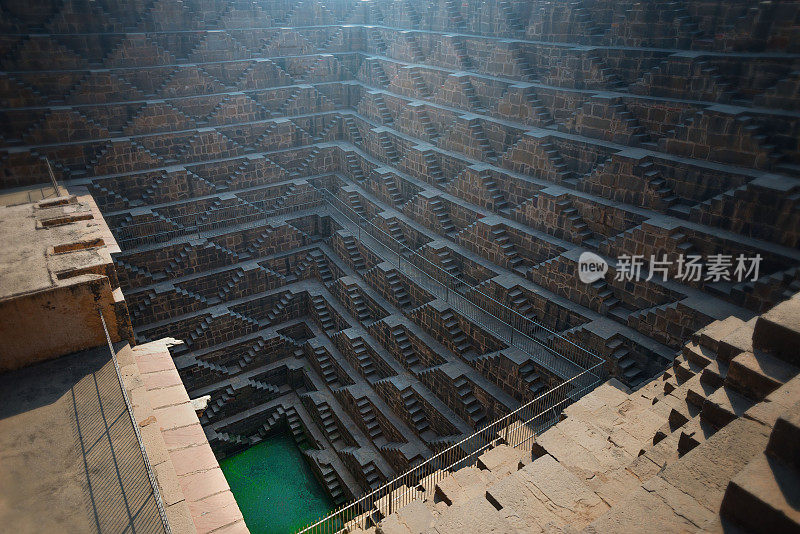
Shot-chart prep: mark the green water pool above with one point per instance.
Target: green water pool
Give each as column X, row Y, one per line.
column 275, row 488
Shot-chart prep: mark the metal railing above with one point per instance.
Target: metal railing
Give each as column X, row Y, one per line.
column 583, row 373
column 150, row 474
column 578, row 369
column 515, row 430
column 53, row 183
column 546, row 347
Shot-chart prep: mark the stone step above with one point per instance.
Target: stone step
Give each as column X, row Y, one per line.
column 685, row 370
column 462, row 485
column 503, row 460
column 697, row 353
column 764, row 497
column 546, row 493
column 692, row 434
column 784, row 441
column 714, row 374
column 724, row 406
column 758, row 374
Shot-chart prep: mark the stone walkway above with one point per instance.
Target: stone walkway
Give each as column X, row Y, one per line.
column 69, row 457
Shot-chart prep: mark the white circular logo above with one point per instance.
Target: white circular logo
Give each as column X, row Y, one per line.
column 591, row 267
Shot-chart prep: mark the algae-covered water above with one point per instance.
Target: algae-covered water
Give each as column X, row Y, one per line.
column 275, row 488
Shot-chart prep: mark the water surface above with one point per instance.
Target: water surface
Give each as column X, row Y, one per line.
column 274, row 487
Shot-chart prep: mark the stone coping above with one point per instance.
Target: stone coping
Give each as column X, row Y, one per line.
column 192, row 485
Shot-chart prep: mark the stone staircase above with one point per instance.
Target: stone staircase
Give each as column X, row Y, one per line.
column 364, row 359
column 329, row 423
column 512, row 257
column 448, row 263
column 367, row 413
column 533, row 380
column 396, row 231
column 499, row 202
column 383, row 110
column 277, row 310
column 372, row 475
column 420, row 87
column 520, row 303
column 176, row 170
column 387, row 146
column 425, row 121
column 321, row 265
column 354, row 166
column 322, row 314
column 362, row 312
column 478, row 135
column 354, row 202
column 442, row 216
column 456, row 335
column 474, row 409
column 708, row 446
column 356, row 258
column 621, row 358
column 214, row 407
column 409, row 355
column 415, row 412
column 401, row 297
column 462, row 54
column 511, row 18
column 332, row 483
column 575, row 222
column 378, row 72
column 433, row 169
column 326, row 366
column 296, row 427
column 390, row 183
column 353, row 131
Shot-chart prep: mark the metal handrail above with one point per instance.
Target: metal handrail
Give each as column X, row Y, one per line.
column 50, row 172
column 525, row 333
column 455, row 284
column 515, row 429
column 150, row 474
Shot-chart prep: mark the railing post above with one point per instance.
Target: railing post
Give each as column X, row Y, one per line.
column 52, row 177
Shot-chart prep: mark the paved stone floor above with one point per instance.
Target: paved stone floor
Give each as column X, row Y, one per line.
column 69, row 458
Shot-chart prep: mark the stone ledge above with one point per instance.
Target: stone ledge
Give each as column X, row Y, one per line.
column 196, row 488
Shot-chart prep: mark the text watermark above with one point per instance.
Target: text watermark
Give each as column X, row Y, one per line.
column 685, row 268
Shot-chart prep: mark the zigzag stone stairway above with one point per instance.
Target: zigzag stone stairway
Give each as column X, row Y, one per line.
column 499, row 139
column 710, row 445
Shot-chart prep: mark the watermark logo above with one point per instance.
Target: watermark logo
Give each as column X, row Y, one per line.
column 591, row 267
column 691, row 268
